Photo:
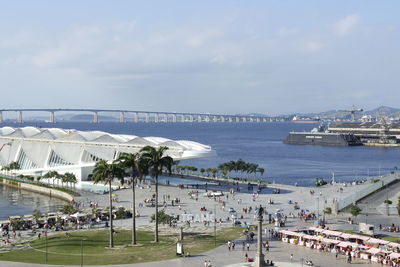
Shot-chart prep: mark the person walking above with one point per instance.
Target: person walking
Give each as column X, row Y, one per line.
column 248, row 246
column 291, row 257
column 349, row 257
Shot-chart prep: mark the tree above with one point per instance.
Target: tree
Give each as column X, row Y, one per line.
column 398, row 206
column 12, row 166
column 355, row 210
column 261, row 171
column 131, row 161
column 71, row 178
column 68, row 209
column 52, row 174
column 213, row 171
column 105, row 173
column 163, row 217
column 156, row 161
column 36, row 214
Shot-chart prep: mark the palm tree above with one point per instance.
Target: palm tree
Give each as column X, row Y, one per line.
column 105, row 173
column 131, row 161
column 52, row 174
column 261, row 171
column 69, row 177
column 156, row 161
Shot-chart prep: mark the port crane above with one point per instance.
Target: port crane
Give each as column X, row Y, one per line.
column 353, row 110
column 6, row 144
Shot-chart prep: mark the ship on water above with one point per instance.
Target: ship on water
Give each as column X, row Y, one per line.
column 297, row 119
column 321, row 136
column 349, row 134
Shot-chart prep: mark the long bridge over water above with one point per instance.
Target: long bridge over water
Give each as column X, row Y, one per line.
column 143, row 116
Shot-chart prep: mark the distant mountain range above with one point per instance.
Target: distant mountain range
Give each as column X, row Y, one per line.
column 341, row 114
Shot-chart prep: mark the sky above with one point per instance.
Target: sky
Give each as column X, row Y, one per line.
column 228, row 57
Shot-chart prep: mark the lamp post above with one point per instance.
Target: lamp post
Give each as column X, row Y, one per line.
column 45, row 240
column 259, row 259
column 215, row 225
column 81, row 252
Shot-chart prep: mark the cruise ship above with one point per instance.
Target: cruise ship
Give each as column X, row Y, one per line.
column 349, row 134
column 322, row 138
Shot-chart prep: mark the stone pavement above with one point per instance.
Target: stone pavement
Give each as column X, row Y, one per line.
column 221, row 257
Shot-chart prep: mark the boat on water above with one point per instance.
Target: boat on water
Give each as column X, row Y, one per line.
column 322, row 137
column 297, row 119
column 381, row 134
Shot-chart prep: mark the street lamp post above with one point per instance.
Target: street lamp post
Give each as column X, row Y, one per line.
column 215, row 225
column 82, row 252
column 259, row 259
column 45, row 238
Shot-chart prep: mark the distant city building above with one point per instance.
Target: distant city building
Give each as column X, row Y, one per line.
column 40, row 150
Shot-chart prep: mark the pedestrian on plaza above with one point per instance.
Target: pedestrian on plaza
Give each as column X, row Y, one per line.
column 349, row 257
column 243, row 244
column 205, row 263
column 248, row 246
column 291, row 257
column 209, row 263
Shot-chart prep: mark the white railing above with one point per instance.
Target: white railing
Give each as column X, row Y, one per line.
column 353, row 198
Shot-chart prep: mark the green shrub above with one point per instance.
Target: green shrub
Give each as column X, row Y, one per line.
column 328, row 210
column 122, row 213
column 355, row 210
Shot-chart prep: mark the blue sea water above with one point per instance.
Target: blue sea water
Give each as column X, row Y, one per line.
column 259, row 143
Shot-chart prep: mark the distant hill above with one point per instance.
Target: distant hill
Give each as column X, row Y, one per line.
column 88, row 117
column 377, row 112
column 383, row 111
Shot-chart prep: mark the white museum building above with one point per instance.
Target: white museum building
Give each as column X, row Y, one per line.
column 40, row 150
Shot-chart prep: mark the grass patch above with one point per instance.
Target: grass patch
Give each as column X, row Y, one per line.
column 64, row 250
column 394, row 239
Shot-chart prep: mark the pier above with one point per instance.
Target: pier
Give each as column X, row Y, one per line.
column 145, row 116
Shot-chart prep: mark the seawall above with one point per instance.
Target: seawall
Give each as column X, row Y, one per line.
column 37, row 189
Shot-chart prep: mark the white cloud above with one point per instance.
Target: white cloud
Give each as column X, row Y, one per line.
column 127, row 64
column 313, row 46
column 347, row 24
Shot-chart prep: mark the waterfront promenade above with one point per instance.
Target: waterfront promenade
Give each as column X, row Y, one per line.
column 279, row 251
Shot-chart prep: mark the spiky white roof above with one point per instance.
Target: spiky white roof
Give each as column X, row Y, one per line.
column 39, row 148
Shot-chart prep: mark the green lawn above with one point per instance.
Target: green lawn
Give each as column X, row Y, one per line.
column 64, row 250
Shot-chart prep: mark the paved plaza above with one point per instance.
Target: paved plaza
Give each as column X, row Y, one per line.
column 279, row 252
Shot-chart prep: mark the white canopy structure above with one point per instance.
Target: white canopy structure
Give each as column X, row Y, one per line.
column 40, row 150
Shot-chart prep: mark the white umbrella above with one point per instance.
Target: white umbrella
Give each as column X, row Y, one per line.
column 66, row 217
column 79, row 214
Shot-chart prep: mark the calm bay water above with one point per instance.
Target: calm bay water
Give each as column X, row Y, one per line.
column 259, row 143
column 19, row 202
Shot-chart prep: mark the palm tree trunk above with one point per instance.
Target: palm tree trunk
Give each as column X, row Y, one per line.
column 133, row 212
column 111, row 218
column 156, row 217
